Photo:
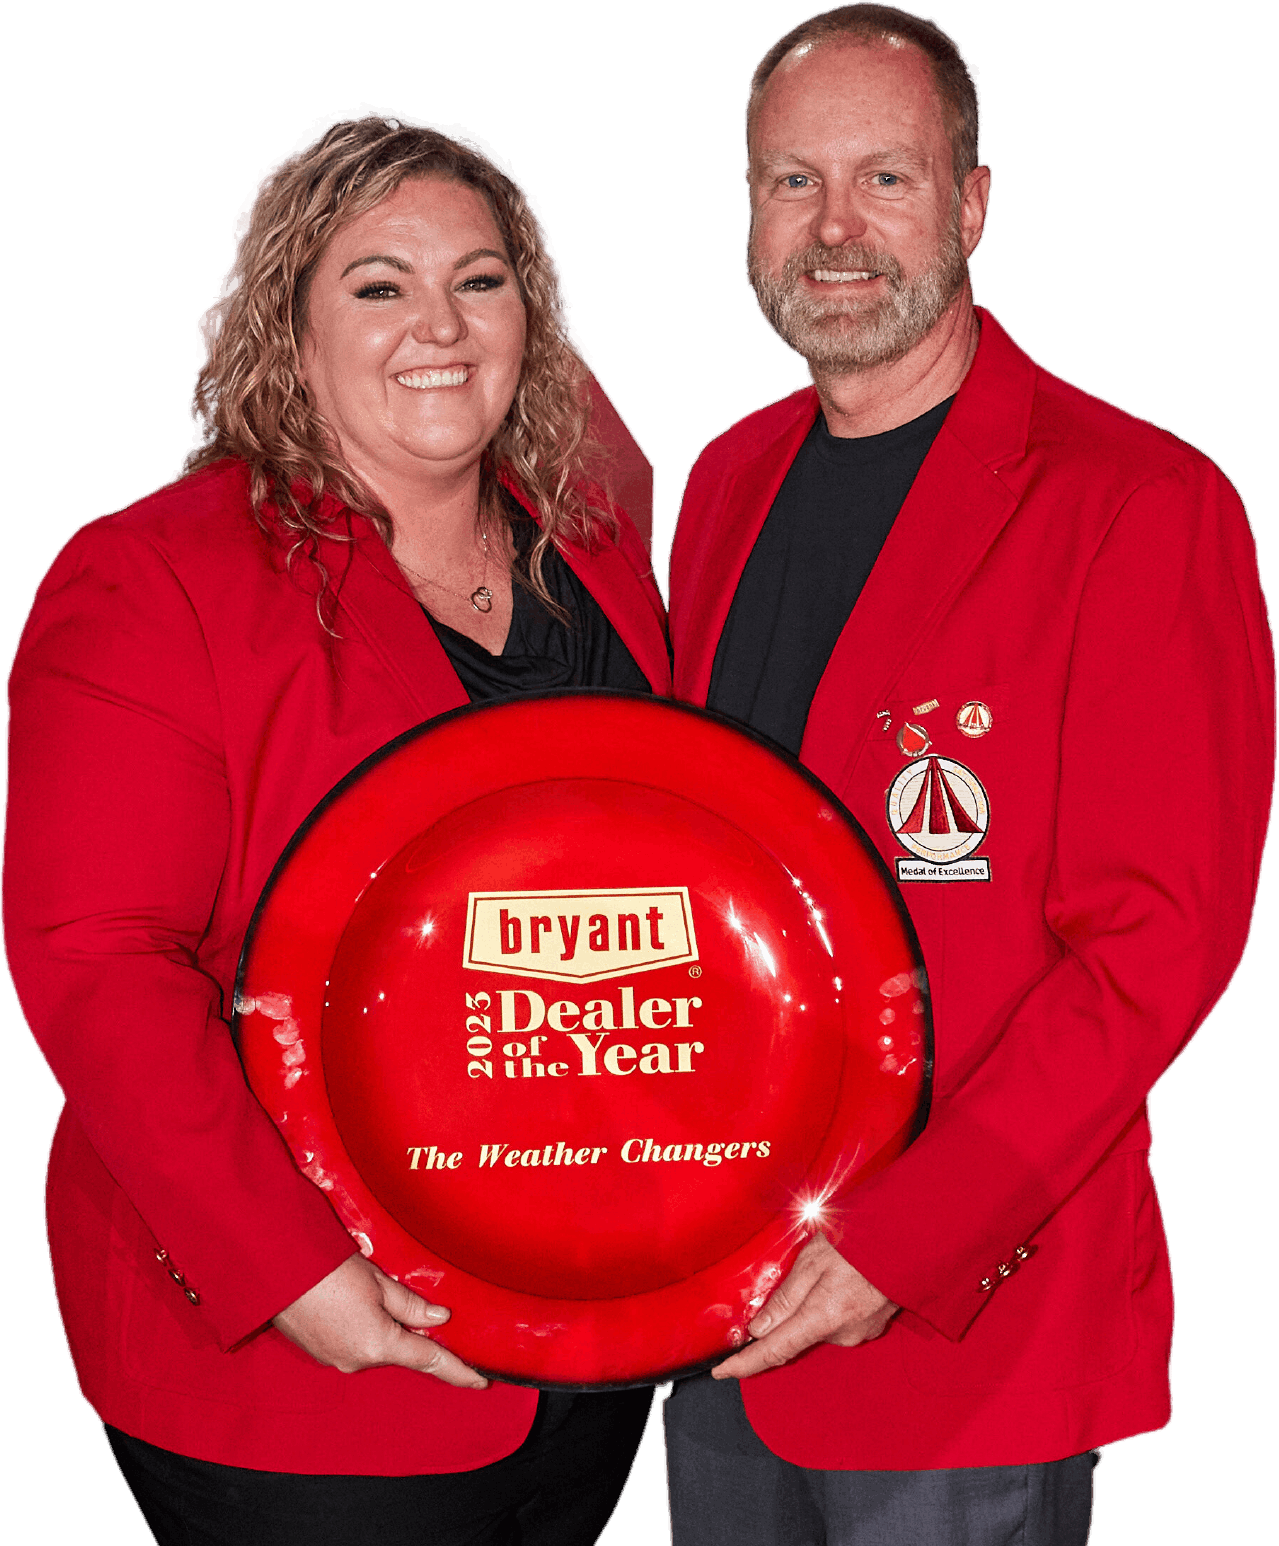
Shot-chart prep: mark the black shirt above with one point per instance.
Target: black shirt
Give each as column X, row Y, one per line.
column 808, row 566
column 542, row 653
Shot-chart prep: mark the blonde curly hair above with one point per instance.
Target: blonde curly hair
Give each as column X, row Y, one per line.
column 250, row 396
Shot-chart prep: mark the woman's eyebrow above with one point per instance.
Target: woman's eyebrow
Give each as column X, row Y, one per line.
column 480, row 252
column 379, row 257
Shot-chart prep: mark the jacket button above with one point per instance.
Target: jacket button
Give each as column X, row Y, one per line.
column 191, row 1295
column 1024, row 1252
column 161, row 1254
column 1005, row 1269
column 177, row 1277
column 985, row 1286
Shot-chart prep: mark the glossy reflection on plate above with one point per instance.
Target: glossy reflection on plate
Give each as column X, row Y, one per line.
column 583, row 1010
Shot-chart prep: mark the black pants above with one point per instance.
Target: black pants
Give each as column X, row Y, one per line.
column 557, row 1489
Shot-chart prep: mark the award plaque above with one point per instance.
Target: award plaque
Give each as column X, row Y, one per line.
column 585, row 1010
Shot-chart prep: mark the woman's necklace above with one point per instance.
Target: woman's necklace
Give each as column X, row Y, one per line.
column 481, row 598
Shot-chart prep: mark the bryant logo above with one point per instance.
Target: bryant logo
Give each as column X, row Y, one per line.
column 578, row 936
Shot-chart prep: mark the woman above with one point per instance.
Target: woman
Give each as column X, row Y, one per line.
column 390, row 516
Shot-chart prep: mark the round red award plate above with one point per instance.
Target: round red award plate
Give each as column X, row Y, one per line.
column 584, row 1010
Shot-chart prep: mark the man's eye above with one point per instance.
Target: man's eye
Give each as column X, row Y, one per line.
column 377, row 290
column 797, row 180
column 483, row 282
column 887, row 179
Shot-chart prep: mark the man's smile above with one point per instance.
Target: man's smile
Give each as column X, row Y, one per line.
column 840, row 276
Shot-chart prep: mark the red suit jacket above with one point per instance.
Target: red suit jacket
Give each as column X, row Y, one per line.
column 177, row 712
column 1085, row 585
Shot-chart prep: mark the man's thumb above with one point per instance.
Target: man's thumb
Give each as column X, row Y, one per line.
column 410, row 1309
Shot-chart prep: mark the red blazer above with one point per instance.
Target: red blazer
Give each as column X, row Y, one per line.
column 1091, row 581
column 177, row 712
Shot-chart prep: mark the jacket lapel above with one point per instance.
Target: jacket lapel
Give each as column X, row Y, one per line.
column 632, row 604
column 742, row 509
column 376, row 602
column 955, row 510
column 627, row 604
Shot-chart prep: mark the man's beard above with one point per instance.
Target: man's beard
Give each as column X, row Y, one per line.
column 838, row 334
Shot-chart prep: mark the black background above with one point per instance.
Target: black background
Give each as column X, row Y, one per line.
column 1128, row 178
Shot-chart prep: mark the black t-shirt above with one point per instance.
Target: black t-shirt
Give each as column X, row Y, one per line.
column 542, row 653
column 808, row 566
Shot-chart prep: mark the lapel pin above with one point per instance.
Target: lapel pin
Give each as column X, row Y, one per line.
column 926, row 708
column 886, row 718
column 974, row 719
column 913, row 740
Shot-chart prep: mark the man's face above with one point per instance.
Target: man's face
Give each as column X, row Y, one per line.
column 859, row 242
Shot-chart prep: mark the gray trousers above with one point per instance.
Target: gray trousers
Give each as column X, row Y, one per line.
column 729, row 1489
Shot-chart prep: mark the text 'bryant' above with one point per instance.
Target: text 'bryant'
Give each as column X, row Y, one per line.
column 579, row 936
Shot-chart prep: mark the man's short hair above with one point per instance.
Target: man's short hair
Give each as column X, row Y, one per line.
column 886, row 24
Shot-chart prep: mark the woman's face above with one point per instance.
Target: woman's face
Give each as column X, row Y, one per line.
column 415, row 334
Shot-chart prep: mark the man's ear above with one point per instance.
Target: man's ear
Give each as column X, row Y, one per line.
column 973, row 198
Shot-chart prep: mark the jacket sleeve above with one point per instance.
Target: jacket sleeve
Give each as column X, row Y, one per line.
column 1167, row 747
column 119, row 821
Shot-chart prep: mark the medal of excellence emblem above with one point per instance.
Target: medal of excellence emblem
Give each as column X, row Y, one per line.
column 939, row 813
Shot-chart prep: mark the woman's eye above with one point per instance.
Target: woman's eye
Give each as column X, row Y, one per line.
column 377, row 290
column 483, row 282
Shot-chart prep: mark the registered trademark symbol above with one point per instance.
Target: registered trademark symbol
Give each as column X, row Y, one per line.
column 694, row 971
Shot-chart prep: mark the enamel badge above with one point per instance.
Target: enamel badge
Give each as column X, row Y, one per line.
column 974, row 719
column 939, row 813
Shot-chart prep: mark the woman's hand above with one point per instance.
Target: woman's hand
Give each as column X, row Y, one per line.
column 358, row 1318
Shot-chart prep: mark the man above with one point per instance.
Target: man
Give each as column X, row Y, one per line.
column 1020, row 635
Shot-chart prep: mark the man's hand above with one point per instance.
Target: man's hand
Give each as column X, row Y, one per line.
column 358, row 1318
column 823, row 1299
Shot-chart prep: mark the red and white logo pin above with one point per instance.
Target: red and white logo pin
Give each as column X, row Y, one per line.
column 974, row 719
